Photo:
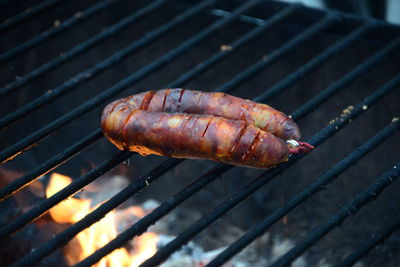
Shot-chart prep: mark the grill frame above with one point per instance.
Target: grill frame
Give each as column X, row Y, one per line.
column 168, row 164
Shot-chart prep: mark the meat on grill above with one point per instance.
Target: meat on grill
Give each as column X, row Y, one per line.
column 192, row 124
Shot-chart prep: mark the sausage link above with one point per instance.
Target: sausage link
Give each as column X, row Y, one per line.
column 218, row 104
column 191, row 124
column 183, row 135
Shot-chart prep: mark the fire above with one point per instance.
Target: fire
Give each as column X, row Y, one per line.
column 100, row 233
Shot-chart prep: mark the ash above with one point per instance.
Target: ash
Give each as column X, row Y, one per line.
column 198, row 252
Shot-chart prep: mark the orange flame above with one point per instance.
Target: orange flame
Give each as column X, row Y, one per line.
column 100, row 233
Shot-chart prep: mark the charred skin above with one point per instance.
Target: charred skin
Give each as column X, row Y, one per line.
column 190, row 124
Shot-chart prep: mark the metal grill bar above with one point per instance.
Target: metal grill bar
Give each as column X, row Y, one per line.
column 318, row 185
column 349, row 77
column 243, row 76
column 97, row 214
column 244, row 18
column 49, row 165
column 55, row 30
column 253, row 186
column 363, row 198
column 78, row 49
column 92, row 72
column 10, row 22
column 43, row 206
column 352, row 17
column 355, row 17
column 24, row 144
column 264, row 62
column 369, row 244
column 235, row 45
column 314, row 63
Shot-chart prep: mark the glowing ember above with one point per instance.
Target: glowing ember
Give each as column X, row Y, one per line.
column 100, row 233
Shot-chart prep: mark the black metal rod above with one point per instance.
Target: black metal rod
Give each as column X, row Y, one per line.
column 376, row 239
column 63, row 237
column 29, row 12
column 49, row 165
column 244, row 18
column 92, row 72
column 314, row 63
column 74, row 20
column 272, row 57
column 352, row 75
column 35, row 137
column 341, row 14
column 203, row 66
column 356, row 17
column 319, row 184
column 363, row 198
column 42, row 207
column 78, row 49
column 264, row 178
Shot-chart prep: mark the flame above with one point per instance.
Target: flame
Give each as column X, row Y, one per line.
column 100, row 233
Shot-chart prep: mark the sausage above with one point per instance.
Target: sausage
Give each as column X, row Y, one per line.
column 192, row 124
column 217, row 104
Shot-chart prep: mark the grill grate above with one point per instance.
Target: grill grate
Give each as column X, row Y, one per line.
column 79, row 49
column 366, row 196
column 54, row 31
column 282, row 14
column 30, row 12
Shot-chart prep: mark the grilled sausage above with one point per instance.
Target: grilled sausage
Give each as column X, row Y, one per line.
column 191, row 124
column 217, row 104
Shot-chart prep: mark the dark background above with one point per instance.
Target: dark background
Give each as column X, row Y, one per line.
column 299, row 222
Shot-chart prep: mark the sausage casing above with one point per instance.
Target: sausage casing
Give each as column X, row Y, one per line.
column 217, row 104
column 191, row 124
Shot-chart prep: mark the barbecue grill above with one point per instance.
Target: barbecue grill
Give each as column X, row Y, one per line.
column 336, row 74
